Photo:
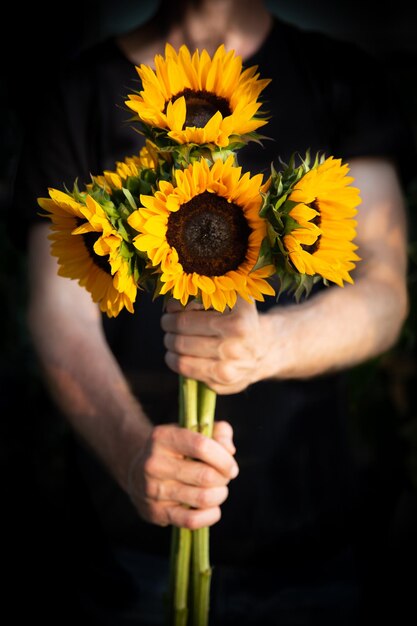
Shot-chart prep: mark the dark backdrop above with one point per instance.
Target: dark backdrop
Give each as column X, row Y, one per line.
column 383, row 392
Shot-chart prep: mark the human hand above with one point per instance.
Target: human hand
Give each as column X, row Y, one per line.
column 180, row 477
column 223, row 350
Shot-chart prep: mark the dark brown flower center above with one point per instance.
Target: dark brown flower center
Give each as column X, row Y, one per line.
column 201, row 106
column 89, row 240
column 317, row 221
column 210, row 235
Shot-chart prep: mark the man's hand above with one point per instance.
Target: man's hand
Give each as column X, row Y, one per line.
column 224, row 350
column 180, row 477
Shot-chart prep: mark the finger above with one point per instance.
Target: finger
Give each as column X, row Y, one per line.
column 196, row 497
column 191, row 322
column 183, row 470
column 195, row 446
column 184, row 517
column 209, row 347
column 238, row 321
column 217, row 374
column 193, row 346
column 223, row 434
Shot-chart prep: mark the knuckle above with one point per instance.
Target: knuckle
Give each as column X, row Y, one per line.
column 182, row 321
column 237, row 349
column 203, row 499
column 179, row 363
column 150, row 466
column 200, row 445
column 174, row 343
column 168, row 516
column 211, row 498
column 240, row 326
column 168, row 341
column 149, row 489
column 179, row 344
column 154, row 490
column 225, row 494
column 171, row 361
column 206, row 476
column 190, row 520
column 227, row 349
column 226, row 373
column 210, row 518
column 177, row 516
column 157, row 433
column 193, row 523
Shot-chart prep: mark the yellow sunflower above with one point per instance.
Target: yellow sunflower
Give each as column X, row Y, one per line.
column 204, row 235
column 199, row 99
column 322, row 243
column 129, row 167
column 88, row 250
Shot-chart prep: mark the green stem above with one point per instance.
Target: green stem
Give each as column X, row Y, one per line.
column 202, row 576
column 181, row 572
column 181, row 538
column 197, row 404
column 201, row 538
column 206, row 409
column 189, row 392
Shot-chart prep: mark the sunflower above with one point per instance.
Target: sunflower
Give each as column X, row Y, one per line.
column 203, row 234
column 128, row 168
column 88, row 249
column 324, row 205
column 199, row 99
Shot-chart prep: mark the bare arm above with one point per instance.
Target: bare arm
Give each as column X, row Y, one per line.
column 91, row 391
column 335, row 329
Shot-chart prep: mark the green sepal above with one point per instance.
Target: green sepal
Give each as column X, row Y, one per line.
column 264, row 256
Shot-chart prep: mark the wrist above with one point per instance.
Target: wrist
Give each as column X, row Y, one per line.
column 130, row 442
column 132, row 467
column 279, row 345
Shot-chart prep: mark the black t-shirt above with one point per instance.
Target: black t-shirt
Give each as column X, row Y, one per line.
column 296, row 494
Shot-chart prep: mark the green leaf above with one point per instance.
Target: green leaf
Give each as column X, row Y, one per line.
column 123, row 232
column 129, row 198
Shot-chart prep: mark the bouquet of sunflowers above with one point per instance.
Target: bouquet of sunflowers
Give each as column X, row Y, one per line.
column 181, row 219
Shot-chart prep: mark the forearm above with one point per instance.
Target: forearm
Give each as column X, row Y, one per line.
column 83, row 376
column 333, row 330
column 341, row 327
column 92, row 394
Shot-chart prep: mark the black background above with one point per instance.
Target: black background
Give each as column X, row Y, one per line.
column 383, row 392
